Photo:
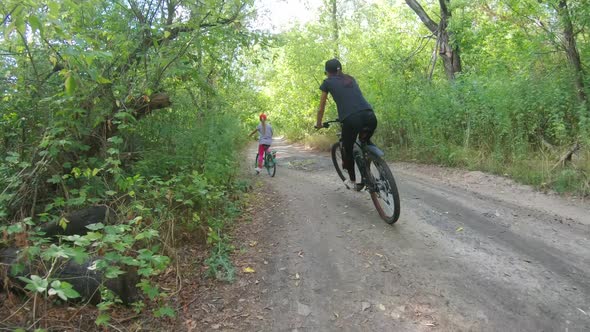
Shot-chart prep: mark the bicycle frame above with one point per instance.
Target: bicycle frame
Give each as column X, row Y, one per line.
column 364, row 148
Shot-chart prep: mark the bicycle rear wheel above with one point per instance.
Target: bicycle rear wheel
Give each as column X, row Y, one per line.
column 337, row 160
column 270, row 164
column 384, row 192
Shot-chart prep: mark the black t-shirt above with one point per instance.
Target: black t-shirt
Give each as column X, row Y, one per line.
column 346, row 93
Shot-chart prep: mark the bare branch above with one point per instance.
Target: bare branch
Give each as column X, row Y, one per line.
column 423, row 43
column 137, row 12
column 430, row 24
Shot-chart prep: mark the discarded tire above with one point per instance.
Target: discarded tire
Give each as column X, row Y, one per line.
column 83, row 278
column 75, row 223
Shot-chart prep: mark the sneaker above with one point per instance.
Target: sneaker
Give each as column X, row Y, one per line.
column 349, row 184
column 257, row 170
column 359, row 186
column 353, row 185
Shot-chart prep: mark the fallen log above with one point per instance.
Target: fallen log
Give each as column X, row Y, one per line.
column 145, row 104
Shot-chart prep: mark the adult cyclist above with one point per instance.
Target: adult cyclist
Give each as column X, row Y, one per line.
column 354, row 112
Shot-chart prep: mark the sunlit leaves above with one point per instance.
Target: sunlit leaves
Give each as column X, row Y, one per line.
column 70, row 84
column 35, row 23
column 63, row 290
column 35, row 284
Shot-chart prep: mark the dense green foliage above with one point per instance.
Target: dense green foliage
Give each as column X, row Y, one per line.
column 513, row 109
column 135, row 105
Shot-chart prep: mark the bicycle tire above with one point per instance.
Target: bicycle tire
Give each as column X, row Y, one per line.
column 272, row 170
column 387, row 186
column 337, row 160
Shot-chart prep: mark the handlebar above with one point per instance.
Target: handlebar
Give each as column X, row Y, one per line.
column 327, row 123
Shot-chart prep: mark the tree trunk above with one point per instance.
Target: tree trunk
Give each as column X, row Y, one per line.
column 572, row 52
column 448, row 52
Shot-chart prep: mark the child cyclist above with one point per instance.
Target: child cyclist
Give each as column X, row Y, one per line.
column 264, row 130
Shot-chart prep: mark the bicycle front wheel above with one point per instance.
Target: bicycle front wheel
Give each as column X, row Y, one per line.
column 337, row 160
column 384, row 192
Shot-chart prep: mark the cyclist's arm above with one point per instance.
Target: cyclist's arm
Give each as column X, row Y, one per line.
column 323, row 99
column 253, row 132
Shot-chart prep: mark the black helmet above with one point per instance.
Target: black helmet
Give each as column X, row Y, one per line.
column 333, row 66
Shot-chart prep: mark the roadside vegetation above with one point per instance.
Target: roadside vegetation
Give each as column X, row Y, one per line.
column 138, row 106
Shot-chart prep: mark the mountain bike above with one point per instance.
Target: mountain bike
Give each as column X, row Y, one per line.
column 269, row 162
column 375, row 173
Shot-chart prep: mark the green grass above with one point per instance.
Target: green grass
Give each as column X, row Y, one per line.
column 534, row 168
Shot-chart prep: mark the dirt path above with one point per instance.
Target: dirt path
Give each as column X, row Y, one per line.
column 470, row 252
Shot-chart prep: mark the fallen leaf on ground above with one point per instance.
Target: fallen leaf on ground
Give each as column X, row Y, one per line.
column 303, row 309
column 395, row 315
column 248, row 270
column 381, row 307
column 459, row 229
column 365, row 306
column 253, row 243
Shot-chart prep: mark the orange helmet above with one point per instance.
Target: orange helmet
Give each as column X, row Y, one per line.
column 262, row 117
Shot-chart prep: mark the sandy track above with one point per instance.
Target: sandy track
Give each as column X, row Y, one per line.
column 470, row 252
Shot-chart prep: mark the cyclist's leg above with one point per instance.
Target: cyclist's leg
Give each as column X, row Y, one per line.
column 266, row 150
column 350, row 130
column 363, row 125
column 260, row 154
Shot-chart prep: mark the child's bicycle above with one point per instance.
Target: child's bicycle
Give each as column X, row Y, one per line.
column 269, row 162
column 375, row 173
